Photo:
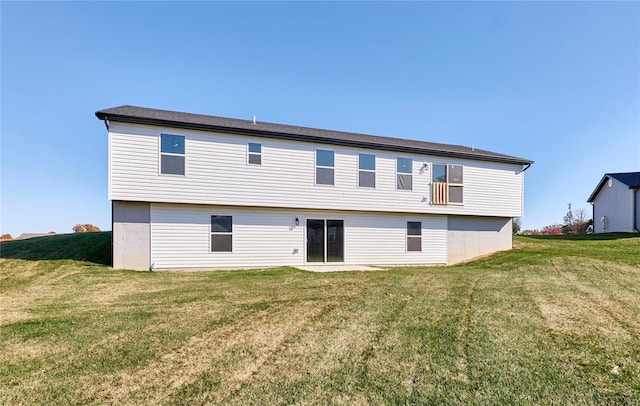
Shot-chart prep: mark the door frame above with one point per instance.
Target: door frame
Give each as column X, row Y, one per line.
column 325, row 240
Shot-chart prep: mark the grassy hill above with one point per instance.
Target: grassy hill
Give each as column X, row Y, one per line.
column 92, row 247
column 554, row 321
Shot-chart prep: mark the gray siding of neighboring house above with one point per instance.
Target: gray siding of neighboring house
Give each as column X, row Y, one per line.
column 614, row 202
column 472, row 237
column 131, row 235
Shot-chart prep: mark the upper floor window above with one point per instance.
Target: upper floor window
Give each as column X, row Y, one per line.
column 172, row 154
column 254, row 153
column 447, row 184
column 404, row 176
column 325, row 164
column 366, row 170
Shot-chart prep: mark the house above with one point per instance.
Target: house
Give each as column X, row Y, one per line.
column 25, row 236
column 199, row 191
column 616, row 203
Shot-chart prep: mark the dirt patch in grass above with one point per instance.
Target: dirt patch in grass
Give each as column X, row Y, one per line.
column 568, row 310
column 236, row 351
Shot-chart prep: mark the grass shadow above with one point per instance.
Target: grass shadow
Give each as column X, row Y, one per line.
column 92, row 247
column 584, row 237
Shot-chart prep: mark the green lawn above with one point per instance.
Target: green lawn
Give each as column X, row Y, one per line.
column 554, row 321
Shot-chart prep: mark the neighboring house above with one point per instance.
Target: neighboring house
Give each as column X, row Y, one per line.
column 25, row 236
column 197, row 191
column 616, row 203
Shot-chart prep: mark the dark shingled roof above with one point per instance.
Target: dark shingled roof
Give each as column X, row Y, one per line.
column 631, row 179
column 143, row 115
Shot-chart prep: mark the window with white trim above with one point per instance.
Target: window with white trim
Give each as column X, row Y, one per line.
column 325, row 167
column 254, row 153
column 414, row 235
column 404, row 176
column 366, row 170
column 221, row 233
column 447, row 184
column 172, row 154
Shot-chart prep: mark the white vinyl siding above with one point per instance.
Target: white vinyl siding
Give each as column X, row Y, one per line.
column 269, row 237
column 218, row 174
column 614, row 202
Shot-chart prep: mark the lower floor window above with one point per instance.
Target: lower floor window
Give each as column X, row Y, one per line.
column 221, row 233
column 414, row 235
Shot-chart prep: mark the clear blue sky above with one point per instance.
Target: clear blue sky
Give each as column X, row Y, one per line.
column 555, row 82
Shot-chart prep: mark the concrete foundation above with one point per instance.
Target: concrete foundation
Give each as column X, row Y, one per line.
column 471, row 237
column 131, row 235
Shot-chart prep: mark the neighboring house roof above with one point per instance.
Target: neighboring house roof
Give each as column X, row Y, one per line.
column 631, row 179
column 24, row 236
column 143, row 115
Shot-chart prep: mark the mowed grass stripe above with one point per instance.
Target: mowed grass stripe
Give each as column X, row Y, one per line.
column 536, row 325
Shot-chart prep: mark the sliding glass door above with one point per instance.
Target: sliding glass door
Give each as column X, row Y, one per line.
column 325, row 241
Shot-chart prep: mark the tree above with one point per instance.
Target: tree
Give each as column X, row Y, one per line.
column 576, row 221
column 85, row 228
column 553, row 229
column 581, row 221
column 6, row 237
column 569, row 221
column 516, row 225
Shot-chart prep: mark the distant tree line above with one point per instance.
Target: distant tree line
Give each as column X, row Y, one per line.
column 576, row 221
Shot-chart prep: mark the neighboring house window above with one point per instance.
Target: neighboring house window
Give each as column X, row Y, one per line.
column 404, row 177
column 366, row 170
column 255, row 153
column 221, row 233
column 172, row 154
column 414, row 236
column 325, row 162
column 447, row 184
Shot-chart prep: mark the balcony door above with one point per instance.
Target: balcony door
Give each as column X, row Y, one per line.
column 325, row 240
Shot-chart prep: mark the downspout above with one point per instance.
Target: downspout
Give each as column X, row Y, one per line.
column 526, row 167
column 635, row 210
column 113, row 229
